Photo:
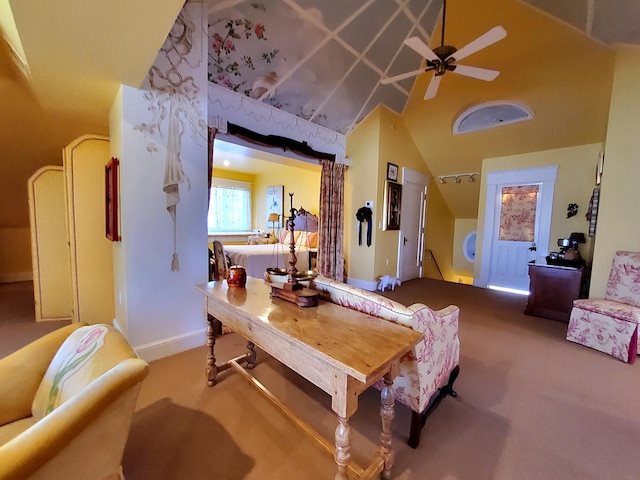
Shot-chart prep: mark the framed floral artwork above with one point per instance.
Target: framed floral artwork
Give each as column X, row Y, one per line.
column 392, row 206
column 275, row 204
column 599, row 168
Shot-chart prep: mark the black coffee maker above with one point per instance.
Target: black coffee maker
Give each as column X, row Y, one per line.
column 564, row 244
column 569, row 255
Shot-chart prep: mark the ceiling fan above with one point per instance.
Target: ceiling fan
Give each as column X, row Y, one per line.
column 445, row 57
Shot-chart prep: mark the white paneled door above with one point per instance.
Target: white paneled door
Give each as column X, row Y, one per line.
column 517, row 225
column 412, row 222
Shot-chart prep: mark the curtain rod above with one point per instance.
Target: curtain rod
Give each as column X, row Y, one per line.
column 275, row 141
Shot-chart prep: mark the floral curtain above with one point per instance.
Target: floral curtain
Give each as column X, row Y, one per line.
column 331, row 224
column 518, row 213
column 211, row 136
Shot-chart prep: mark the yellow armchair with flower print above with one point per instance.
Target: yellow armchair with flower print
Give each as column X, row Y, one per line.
column 67, row 404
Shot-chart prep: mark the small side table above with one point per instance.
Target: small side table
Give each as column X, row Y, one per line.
column 552, row 290
column 260, row 240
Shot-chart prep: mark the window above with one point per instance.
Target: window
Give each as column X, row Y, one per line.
column 229, row 206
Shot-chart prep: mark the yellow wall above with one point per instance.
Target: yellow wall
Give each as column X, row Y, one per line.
column 574, row 184
column 361, row 184
column 302, row 182
column 462, row 268
column 15, row 254
column 438, row 237
column 618, row 227
column 382, row 138
column 397, row 146
column 243, row 177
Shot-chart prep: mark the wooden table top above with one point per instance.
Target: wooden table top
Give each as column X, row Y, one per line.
column 358, row 344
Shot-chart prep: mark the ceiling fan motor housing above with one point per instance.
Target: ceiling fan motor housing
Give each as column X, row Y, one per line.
column 444, row 53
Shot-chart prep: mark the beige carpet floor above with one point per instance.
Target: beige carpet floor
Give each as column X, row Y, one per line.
column 530, row 406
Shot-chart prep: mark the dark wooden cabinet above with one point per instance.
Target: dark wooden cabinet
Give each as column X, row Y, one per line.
column 552, row 290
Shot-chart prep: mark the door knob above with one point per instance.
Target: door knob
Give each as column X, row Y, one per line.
column 405, row 241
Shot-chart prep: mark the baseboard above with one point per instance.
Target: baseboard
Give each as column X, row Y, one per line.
column 16, row 277
column 172, row 345
column 364, row 284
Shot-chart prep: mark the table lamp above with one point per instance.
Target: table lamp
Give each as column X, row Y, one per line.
column 273, row 218
column 575, row 238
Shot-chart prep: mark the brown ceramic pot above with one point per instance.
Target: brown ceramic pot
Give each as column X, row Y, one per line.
column 237, row 276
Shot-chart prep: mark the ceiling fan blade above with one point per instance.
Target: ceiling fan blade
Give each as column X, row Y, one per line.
column 418, row 46
column 402, row 76
column 432, row 89
column 475, row 72
column 484, row 40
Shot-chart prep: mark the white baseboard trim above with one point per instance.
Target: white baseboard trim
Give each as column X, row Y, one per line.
column 364, row 284
column 16, row 277
column 172, row 345
column 117, row 326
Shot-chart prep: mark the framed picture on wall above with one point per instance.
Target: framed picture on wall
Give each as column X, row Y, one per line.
column 599, row 168
column 392, row 206
column 111, row 199
column 275, row 204
column 392, row 172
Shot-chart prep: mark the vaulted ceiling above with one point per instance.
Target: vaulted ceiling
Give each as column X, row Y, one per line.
column 328, row 57
column 323, row 60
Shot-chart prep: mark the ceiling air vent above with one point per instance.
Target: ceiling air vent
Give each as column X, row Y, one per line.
column 490, row 115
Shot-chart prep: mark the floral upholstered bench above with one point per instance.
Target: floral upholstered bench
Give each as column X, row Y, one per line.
column 426, row 374
column 610, row 324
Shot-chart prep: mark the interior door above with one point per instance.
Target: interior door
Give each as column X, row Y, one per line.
column 516, row 231
column 517, row 225
column 412, row 222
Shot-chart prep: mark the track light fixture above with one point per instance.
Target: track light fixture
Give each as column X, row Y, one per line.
column 457, row 178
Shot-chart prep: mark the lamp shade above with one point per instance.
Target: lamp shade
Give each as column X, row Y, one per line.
column 273, row 217
column 577, row 237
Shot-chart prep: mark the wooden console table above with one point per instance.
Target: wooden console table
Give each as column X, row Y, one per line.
column 341, row 351
column 552, row 290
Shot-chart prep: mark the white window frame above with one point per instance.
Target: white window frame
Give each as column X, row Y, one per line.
column 229, row 183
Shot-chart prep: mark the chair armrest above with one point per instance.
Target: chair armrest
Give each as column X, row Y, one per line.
column 60, row 430
column 22, row 371
column 426, row 320
column 439, row 350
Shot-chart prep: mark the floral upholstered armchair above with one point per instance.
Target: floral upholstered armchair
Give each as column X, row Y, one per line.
column 66, row 405
column 610, row 325
column 426, row 374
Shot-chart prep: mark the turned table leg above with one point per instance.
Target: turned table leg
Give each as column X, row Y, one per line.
column 251, row 355
column 212, row 369
column 387, row 401
column 343, row 448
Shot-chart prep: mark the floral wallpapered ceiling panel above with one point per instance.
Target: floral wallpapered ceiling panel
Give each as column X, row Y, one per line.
column 319, row 71
column 318, row 59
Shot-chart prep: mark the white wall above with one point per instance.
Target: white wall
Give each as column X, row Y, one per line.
column 159, row 309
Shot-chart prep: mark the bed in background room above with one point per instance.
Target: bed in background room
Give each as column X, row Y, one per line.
column 257, row 258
